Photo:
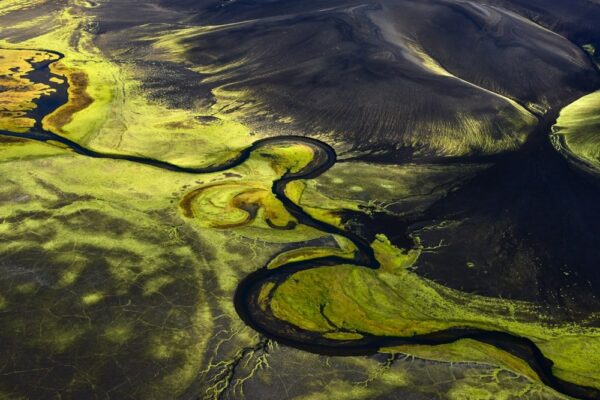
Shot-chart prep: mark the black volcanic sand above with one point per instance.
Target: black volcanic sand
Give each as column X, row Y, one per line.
column 525, row 229
column 349, row 69
column 577, row 20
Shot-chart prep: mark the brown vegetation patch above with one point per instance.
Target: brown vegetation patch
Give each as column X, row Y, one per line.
column 18, row 92
column 79, row 99
column 8, row 139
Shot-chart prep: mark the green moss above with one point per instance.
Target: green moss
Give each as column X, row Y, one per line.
column 109, row 222
column 118, row 117
column 589, row 48
column 155, row 284
column 9, row 6
column 263, row 296
column 246, row 203
column 343, row 335
column 392, row 301
column 23, row 150
column 469, row 351
column 26, row 288
column 69, row 275
column 90, row 299
column 471, row 393
column 579, row 127
column 308, row 253
column 387, row 188
column 19, row 93
column 118, row 332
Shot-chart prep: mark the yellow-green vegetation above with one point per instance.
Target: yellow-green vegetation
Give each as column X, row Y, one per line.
column 465, row 134
column 318, row 205
column 8, row 6
column 246, row 201
column 346, row 249
column 92, row 298
column 379, row 188
column 578, row 127
column 396, row 376
column 20, row 149
column 19, row 92
column 123, row 275
column 591, row 50
column 434, row 66
column 397, row 190
column 109, row 112
column 111, row 270
column 392, row 301
column 109, row 255
column 467, row 350
column 78, row 99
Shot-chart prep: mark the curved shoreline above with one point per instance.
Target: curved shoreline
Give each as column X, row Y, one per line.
column 246, row 295
column 580, row 164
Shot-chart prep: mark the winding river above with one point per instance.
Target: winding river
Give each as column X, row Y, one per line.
column 247, row 294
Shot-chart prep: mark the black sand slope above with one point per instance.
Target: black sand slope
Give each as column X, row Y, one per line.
column 420, row 78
